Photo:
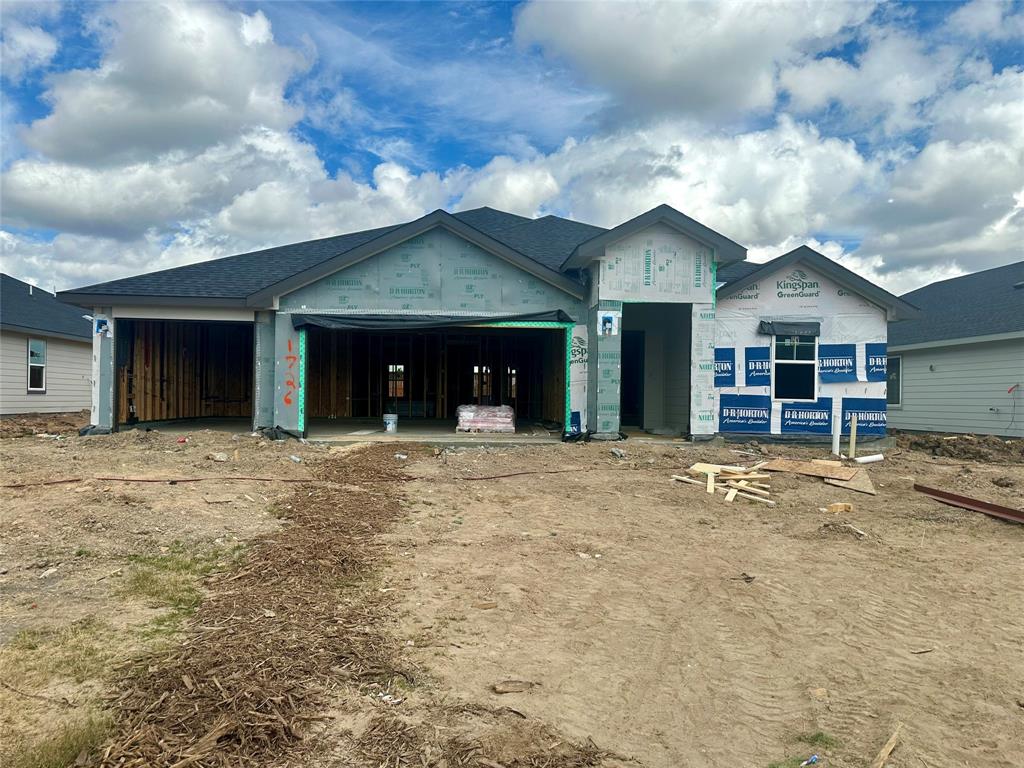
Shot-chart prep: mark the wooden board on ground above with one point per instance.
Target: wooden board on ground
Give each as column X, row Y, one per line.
column 861, row 482
column 701, row 468
column 724, row 489
column 807, row 468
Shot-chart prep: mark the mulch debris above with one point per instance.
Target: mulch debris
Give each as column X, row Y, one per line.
column 296, row 626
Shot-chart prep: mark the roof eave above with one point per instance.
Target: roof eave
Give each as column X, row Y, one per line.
column 90, row 300
column 438, row 218
column 84, row 338
column 954, row 342
column 896, row 308
column 726, row 250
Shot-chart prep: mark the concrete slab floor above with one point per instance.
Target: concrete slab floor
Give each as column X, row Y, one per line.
column 340, row 431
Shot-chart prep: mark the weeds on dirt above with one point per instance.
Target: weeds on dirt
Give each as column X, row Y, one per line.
column 169, row 579
column 78, row 652
column 820, row 739
column 78, row 736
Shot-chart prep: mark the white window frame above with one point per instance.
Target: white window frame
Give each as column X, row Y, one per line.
column 898, row 404
column 813, row 362
column 30, row 365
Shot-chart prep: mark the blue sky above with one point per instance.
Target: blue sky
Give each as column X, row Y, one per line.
column 144, row 135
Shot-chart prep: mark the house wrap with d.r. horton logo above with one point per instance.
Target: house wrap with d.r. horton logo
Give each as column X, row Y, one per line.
column 800, row 345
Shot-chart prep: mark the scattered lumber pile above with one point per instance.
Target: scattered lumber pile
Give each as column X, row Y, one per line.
column 748, row 482
column 752, row 482
column 485, row 418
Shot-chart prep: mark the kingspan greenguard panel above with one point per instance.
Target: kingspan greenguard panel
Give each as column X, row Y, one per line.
column 435, row 272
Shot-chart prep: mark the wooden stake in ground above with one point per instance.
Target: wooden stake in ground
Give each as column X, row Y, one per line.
column 886, row 750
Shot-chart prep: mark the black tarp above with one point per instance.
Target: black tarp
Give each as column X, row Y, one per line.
column 789, row 329
column 418, row 322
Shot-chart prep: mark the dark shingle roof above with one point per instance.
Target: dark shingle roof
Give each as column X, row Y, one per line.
column 37, row 310
column 730, row 273
column 548, row 240
column 235, row 276
column 981, row 304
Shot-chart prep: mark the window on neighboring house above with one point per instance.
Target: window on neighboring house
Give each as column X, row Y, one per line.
column 795, row 368
column 511, row 378
column 481, row 381
column 396, row 380
column 36, row 365
column 894, row 381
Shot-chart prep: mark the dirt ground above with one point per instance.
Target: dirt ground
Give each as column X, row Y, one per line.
column 20, row 425
column 622, row 600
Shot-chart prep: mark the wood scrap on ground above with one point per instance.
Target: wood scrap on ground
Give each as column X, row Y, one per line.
column 886, row 750
column 810, row 468
column 733, row 481
column 860, row 482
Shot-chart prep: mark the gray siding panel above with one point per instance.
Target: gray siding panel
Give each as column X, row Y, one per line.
column 963, row 389
column 68, row 372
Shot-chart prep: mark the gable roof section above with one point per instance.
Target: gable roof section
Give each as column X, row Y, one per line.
column 405, row 232
column 226, row 282
column 980, row 304
column 725, row 249
column 737, row 270
column 30, row 310
column 896, row 307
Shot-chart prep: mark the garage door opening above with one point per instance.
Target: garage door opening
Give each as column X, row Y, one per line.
column 357, row 376
column 169, row 370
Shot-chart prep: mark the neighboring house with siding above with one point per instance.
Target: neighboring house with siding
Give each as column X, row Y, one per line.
column 959, row 367
column 45, row 352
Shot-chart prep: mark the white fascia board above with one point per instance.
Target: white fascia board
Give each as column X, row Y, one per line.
column 956, row 342
column 228, row 314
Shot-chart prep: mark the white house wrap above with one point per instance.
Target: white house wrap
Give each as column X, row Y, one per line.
column 848, row 363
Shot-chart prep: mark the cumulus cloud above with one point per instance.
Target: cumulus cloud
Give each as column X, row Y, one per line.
column 23, row 49
column 992, row 19
column 174, row 77
column 717, row 59
column 889, row 81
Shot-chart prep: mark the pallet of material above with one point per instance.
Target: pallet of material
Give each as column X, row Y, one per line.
column 485, row 418
column 747, row 482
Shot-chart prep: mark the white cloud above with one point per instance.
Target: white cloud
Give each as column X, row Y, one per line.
column 174, row 77
column 992, row 19
column 692, row 58
column 24, row 49
column 889, row 81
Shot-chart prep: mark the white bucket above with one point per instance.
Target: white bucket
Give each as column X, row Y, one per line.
column 390, row 422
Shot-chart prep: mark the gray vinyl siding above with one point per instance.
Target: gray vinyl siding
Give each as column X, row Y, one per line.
column 968, row 381
column 68, row 371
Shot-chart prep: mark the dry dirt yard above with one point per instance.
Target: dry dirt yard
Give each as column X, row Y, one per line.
column 363, row 617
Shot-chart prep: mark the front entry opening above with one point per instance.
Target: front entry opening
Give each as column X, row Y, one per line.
column 425, row 375
column 632, row 392
column 655, row 383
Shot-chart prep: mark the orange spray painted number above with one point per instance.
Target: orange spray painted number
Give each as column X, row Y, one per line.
column 289, row 382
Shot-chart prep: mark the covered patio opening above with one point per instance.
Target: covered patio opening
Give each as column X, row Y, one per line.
column 169, row 370
column 353, row 377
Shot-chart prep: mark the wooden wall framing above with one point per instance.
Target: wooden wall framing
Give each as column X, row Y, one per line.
column 347, row 372
column 177, row 369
